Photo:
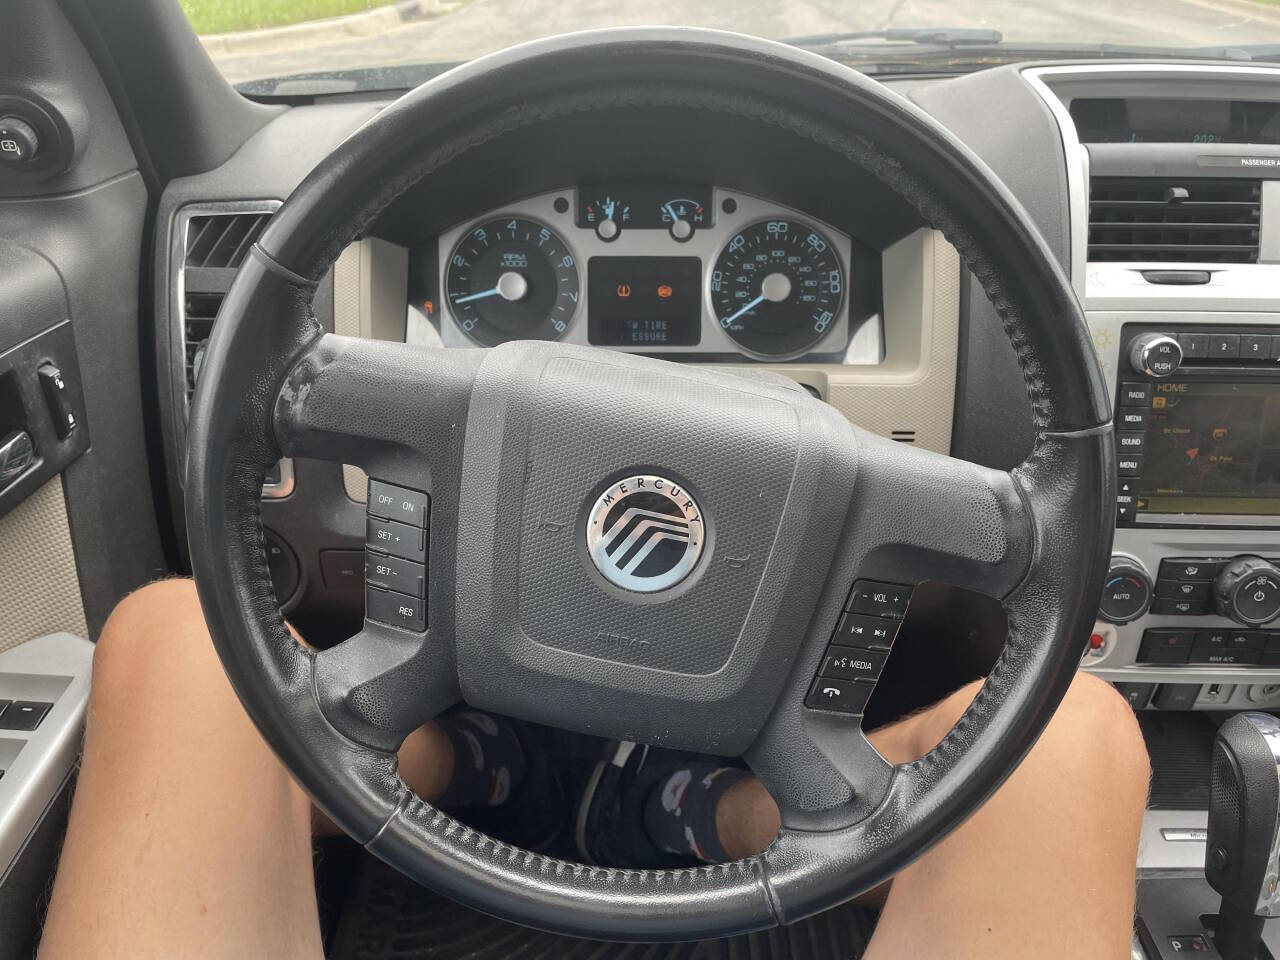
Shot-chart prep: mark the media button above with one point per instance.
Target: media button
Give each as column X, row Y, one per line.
column 1132, row 418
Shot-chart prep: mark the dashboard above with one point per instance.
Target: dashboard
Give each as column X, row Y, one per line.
column 676, row 270
column 1156, row 185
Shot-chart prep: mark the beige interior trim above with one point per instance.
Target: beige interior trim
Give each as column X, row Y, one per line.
column 39, row 586
column 369, row 283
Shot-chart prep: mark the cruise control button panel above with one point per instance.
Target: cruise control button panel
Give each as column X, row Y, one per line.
column 395, row 562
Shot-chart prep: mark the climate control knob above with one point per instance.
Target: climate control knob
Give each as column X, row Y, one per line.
column 1155, row 355
column 1248, row 591
column 1126, row 593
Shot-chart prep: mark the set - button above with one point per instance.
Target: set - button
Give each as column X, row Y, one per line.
column 859, row 647
column 395, row 565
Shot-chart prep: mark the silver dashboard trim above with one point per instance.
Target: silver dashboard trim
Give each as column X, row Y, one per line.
column 864, row 347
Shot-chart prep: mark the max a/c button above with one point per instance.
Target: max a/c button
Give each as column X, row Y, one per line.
column 841, row 696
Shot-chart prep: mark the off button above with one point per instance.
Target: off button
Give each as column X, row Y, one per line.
column 398, row 503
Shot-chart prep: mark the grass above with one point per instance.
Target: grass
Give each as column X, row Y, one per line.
column 223, row 16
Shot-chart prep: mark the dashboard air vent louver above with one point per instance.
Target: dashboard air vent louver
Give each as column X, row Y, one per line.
column 1164, row 220
column 214, row 245
column 222, row 240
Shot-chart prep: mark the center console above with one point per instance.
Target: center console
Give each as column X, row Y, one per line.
column 1176, row 256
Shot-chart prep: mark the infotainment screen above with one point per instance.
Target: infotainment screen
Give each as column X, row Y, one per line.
column 1212, row 448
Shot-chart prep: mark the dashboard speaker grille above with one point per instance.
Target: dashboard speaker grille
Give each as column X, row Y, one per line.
column 1163, row 220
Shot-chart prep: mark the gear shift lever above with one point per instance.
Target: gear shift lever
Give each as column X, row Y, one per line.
column 1242, row 856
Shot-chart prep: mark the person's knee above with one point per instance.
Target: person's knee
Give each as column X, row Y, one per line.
column 1093, row 739
column 156, row 633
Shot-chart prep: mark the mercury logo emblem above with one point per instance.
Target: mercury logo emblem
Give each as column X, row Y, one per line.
column 645, row 533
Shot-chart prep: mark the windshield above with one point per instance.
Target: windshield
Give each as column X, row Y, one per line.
column 335, row 45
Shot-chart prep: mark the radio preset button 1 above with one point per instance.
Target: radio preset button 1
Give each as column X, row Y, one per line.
column 1195, row 346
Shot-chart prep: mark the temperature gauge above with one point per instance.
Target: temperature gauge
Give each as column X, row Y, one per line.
column 681, row 208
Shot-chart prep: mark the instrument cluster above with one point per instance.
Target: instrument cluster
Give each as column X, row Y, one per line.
column 648, row 268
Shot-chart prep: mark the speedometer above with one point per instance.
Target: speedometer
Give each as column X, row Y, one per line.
column 512, row 278
column 777, row 287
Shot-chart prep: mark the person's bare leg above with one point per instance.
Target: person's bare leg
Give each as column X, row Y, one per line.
column 187, row 837
column 1046, row 868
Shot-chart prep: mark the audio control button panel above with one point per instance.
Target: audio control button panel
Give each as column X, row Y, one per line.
column 859, row 647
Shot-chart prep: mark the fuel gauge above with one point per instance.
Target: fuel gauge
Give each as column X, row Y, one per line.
column 605, row 215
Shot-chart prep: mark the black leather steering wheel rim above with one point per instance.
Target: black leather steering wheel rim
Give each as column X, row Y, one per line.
column 272, row 383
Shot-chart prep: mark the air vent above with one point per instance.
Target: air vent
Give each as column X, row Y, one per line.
column 903, row 436
column 222, row 240
column 1174, row 221
column 214, row 243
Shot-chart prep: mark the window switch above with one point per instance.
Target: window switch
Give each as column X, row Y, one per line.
column 56, row 397
column 23, row 714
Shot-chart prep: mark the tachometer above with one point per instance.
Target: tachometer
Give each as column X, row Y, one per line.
column 777, row 287
column 512, row 278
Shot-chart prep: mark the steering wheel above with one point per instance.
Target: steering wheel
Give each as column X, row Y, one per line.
column 782, row 504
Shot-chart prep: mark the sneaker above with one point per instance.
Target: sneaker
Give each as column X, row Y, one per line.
column 609, row 826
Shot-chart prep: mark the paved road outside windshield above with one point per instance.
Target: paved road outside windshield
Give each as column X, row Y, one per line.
column 483, row 26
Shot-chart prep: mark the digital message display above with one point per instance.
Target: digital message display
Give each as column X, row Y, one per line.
column 644, row 301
